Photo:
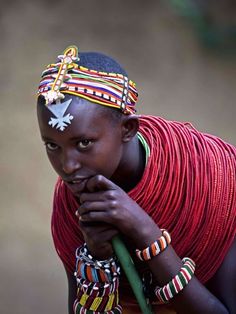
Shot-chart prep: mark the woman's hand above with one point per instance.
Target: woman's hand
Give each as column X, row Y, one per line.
column 97, row 236
column 106, row 209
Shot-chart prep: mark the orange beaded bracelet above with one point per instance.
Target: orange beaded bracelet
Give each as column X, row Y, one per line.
column 155, row 248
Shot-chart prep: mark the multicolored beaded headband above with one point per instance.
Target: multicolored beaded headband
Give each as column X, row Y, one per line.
column 67, row 77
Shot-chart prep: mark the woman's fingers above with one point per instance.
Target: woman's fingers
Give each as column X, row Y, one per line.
column 100, row 183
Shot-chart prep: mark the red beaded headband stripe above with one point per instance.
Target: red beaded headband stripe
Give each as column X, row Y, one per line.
column 67, row 77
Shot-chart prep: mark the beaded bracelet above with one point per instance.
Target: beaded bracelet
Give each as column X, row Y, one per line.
column 97, row 283
column 89, row 268
column 98, row 304
column 155, row 248
column 79, row 309
column 97, row 289
column 98, row 297
column 178, row 283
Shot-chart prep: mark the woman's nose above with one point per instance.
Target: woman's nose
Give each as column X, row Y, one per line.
column 70, row 162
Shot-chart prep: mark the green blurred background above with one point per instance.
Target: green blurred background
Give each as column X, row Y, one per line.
column 183, row 61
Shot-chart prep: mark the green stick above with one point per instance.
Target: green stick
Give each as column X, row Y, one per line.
column 131, row 273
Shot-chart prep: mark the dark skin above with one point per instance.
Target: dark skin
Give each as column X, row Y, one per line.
column 100, row 160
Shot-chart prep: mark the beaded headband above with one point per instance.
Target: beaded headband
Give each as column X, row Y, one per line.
column 67, row 77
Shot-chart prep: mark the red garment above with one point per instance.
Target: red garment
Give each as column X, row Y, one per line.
column 188, row 187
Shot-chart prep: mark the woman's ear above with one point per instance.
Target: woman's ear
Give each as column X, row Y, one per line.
column 130, row 126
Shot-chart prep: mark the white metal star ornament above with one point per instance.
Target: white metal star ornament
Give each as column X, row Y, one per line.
column 59, row 109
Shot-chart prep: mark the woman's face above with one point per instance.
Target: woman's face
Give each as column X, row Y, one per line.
column 90, row 145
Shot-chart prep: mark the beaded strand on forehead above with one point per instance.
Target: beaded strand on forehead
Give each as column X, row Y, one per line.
column 188, row 188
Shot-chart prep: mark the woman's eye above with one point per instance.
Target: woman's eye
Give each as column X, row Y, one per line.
column 84, row 144
column 51, row 146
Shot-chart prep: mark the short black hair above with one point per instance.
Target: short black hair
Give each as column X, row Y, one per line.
column 100, row 62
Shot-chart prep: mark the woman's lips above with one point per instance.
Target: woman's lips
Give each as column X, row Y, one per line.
column 77, row 186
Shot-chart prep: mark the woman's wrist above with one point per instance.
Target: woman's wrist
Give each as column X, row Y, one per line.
column 143, row 237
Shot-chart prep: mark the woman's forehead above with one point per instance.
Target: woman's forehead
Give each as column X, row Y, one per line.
column 72, row 114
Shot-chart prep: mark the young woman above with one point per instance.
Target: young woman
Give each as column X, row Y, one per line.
column 168, row 190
